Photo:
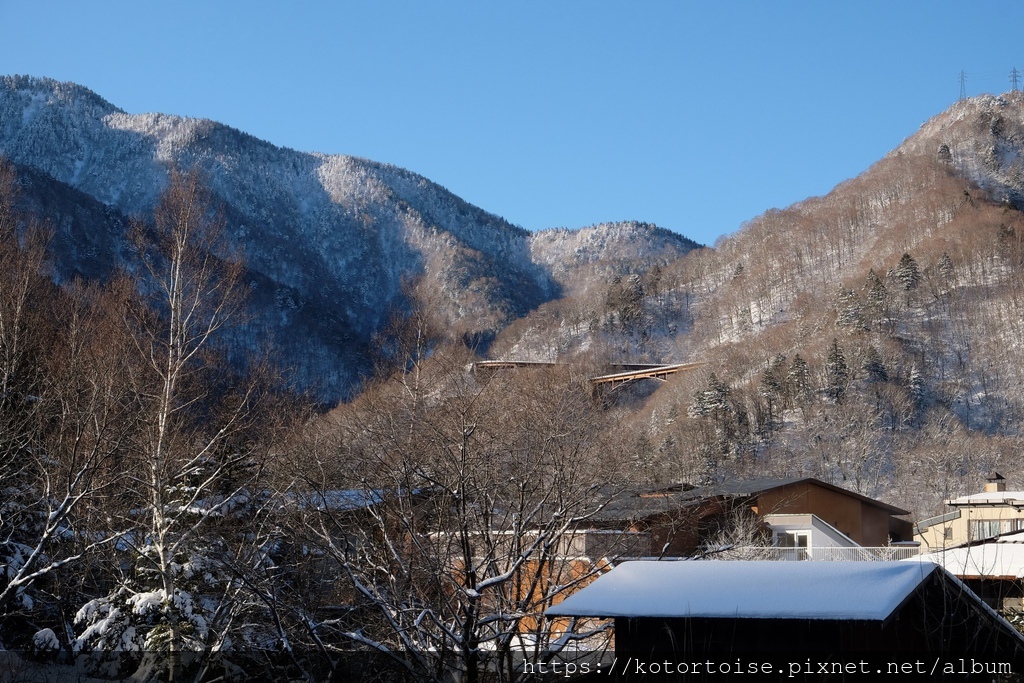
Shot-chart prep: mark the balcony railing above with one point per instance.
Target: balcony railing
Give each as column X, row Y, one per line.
column 821, row 554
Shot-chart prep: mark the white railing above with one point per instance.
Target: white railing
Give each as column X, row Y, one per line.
column 821, row 554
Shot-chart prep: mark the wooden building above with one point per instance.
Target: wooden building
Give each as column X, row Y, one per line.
column 679, row 519
column 780, row 613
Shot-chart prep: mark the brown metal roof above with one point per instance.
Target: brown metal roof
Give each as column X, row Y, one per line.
column 641, row 504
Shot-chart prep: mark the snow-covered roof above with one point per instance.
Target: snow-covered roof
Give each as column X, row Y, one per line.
column 868, row 591
column 985, row 560
column 990, row 498
column 340, row 500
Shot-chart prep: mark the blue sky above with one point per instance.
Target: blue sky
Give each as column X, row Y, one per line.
column 696, row 116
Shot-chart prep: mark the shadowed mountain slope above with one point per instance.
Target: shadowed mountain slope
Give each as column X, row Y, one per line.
column 328, row 240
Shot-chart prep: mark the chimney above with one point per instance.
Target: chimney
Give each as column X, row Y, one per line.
column 995, row 482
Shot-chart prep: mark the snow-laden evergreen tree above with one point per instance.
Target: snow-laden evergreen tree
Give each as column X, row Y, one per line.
column 712, row 400
column 837, row 372
column 907, row 272
column 915, row 384
column 874, row 366
column 772, row 390
column 625, row 300
column 798, row 379
column 128, row 632
column 946, row 269
column 850, row 310
column 875, row 293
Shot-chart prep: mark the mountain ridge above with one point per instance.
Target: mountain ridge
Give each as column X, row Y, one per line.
column 337, row 234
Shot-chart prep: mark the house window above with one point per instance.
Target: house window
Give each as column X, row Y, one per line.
column 792, row 539
column 986, row 528
column 794, row 544
column 947, row 533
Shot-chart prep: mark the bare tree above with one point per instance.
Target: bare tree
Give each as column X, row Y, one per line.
column 460, row 514
column 21, row 343
column 62, row 420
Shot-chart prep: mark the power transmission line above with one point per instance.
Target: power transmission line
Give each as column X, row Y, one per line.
column 1014, row 77
column 963, row 86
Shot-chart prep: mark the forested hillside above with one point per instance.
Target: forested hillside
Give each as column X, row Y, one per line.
column 870, row 337
column 330, row 242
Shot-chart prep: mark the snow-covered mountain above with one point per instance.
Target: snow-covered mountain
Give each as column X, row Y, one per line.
column 870, row 337
column 982, row 138
column 328, row 240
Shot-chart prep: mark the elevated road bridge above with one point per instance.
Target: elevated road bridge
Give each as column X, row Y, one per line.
column 625, row 372
column 659, row 372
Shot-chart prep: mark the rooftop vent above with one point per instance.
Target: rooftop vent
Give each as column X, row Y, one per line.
column 995, row 482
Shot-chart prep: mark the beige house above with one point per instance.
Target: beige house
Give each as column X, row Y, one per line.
column 976, row 517
column 992, row 568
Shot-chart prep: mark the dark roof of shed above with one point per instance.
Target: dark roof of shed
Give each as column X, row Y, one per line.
column 646, row 503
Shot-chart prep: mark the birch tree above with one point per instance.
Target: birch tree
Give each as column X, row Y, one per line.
column 196, row 474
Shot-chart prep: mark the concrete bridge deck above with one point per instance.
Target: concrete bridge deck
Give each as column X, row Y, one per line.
column 630, row 371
